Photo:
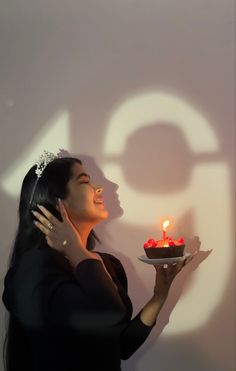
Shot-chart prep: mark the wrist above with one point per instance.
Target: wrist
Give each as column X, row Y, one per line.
column 75, row 254
column 160, row 296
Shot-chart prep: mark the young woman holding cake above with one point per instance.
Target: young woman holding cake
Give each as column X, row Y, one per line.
column 68, row 304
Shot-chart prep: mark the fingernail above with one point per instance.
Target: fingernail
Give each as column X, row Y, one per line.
column 59, row 199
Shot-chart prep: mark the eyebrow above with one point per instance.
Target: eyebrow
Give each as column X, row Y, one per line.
column 81, row 175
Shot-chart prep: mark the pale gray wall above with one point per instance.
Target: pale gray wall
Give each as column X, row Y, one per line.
column 87, row 58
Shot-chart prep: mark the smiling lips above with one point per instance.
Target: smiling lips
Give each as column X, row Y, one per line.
column 99, row 200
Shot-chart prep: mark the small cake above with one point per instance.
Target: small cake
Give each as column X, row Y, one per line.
column 168, row 248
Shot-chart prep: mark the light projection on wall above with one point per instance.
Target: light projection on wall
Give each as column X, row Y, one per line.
column 206, row 194
column 54, row 135
column 206, row 191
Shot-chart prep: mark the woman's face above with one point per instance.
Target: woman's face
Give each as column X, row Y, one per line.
column 84, row 202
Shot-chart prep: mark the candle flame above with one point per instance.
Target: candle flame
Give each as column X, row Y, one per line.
column 165, row 224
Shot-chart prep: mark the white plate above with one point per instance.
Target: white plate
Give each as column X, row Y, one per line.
column 147, row 260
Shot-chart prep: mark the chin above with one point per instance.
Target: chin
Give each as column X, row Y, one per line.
column 103, row 215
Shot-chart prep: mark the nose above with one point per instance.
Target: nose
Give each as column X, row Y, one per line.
column 99, row 190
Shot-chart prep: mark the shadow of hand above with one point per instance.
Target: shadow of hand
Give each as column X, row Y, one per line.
column 193, row 248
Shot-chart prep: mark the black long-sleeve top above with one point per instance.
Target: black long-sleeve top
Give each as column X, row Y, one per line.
column 70, row 319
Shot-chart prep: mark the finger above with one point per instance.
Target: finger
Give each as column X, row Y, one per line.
column 43, row 220
column 42, row 228
column 157, row 267
column 48, row 215
column 174, row 268
column 49, row 241
column 62, row 210
column 165, row 270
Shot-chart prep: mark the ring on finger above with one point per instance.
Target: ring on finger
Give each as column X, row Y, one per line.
column 50, row 226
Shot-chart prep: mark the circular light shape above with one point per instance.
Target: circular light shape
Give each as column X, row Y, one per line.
column 207, row 196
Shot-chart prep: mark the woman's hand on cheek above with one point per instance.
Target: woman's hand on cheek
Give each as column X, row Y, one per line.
column 58, row 234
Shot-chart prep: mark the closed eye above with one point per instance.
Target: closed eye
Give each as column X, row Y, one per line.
column 85, row 181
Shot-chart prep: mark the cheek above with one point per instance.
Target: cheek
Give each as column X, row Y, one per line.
column 84, row 201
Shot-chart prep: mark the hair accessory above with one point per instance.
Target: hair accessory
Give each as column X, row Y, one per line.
column 42, row 162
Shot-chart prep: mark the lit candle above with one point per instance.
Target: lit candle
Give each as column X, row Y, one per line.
column 164, row 226
column 165, row 248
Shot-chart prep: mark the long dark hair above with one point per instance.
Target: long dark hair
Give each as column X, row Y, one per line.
column 50, row 186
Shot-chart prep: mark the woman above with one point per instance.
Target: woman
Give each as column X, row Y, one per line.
column 68, row 304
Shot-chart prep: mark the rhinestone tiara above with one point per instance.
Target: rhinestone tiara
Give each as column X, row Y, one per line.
column 44, row 159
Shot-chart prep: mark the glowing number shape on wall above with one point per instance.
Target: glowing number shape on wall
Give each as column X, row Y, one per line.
column 207, row 195
column 54, row 135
